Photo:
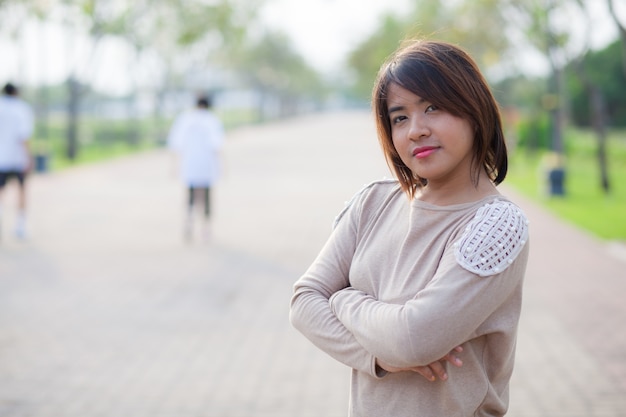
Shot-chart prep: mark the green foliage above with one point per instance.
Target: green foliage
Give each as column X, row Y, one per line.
column 521, row 92
column 584, row 205
column 370, row 55
column 101, row 139
column 533, row 132
column 273, row 64
column 454, row 22
column 604, row 68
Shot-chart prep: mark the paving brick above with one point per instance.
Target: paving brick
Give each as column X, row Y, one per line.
column 106, row 312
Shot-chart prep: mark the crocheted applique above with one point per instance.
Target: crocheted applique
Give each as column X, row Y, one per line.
column 493, row 239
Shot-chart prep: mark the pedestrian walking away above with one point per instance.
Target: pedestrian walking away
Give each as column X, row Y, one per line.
column 418, row 289
column 16, row 129
column 196, row 137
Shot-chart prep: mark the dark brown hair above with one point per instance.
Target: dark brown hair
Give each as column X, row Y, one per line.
column 448, row 77
column 10, row 90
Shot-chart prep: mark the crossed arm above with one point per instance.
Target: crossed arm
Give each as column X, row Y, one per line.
column 431, row 371
column 314, row 313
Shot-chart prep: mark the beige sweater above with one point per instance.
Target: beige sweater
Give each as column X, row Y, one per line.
column 407, row 281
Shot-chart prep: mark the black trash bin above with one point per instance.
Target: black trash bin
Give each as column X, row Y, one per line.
column 556, row 178
column 41, row 163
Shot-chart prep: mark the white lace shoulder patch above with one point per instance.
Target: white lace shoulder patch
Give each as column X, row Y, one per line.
column 493, row 239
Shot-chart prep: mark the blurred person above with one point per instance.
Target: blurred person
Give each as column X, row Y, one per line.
column 196, row 137
column 419, row 286
column 16, row 129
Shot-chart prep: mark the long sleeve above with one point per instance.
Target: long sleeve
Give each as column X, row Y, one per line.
column 457, row 305
column 426, row 328
column 310, row 309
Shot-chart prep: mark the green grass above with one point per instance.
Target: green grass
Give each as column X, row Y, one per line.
column 101, row 140
column 585, row 204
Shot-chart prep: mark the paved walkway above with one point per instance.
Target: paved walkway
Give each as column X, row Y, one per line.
column 105, row 312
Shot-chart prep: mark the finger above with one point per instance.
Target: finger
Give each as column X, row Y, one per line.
column 454, row 360
column 438, row 369
column 426, row 372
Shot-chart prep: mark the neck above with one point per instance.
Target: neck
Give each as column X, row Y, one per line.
column 448, row 193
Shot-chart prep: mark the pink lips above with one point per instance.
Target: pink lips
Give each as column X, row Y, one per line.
column 423, row 152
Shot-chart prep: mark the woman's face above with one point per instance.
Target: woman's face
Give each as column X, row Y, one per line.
column 432, row 143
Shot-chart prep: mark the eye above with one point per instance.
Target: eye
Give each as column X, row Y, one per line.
column 431, row 108
column 397, row 119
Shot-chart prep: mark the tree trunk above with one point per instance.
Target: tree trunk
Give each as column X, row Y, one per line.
column 557, row 112
column 622, row 32
column 599, row 126
column 72, row 118
column 557, row 173
column 597, row 108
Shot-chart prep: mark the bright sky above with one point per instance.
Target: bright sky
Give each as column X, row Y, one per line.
column 325, row 30
column 322, row 30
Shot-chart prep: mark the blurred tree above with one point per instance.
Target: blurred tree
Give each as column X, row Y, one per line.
column 604, row 67
column 522, row 93
column 597, row 103
column 98, row 18
column 273, row 66
column 180, row 35
column 544, row 23
column 179, row 32
column 223, row 36
column 367, row 58
column 452, row 21
column 12, row 15
column 622, row 31
column 506, row 27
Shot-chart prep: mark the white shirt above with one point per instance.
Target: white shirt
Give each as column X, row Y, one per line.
column 197, row 135
column 16, row 127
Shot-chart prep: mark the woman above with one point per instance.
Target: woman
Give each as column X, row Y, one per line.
column 421, row 268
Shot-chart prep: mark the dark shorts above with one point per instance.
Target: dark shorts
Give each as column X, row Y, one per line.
column 5, row 176
column 206, row 191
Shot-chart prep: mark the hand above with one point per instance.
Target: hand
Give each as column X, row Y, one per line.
column 432, row 370
column 30, row 164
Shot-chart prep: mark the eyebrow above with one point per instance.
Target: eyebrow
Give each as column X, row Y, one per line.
column 400, row 108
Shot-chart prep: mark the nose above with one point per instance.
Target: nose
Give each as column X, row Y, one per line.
column 418, row 129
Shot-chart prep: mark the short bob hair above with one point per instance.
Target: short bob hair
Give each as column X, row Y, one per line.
column 448, row 77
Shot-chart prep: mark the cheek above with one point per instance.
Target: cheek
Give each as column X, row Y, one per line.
column 468, row 137
column 398, row 141
column 395, row 143
column 401, row 150
column 402, row 154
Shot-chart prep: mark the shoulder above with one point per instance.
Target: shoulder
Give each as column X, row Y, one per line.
column 370, row 194
column 21, row 105
column 16, row 103
column 493, row 238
